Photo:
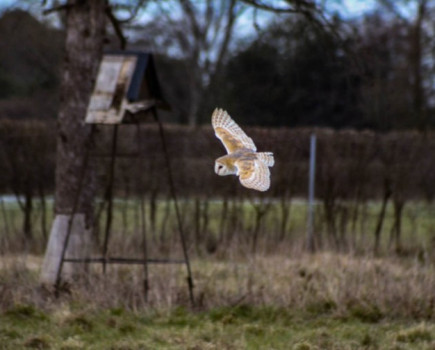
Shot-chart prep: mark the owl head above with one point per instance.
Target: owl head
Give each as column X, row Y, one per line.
column 222, row 167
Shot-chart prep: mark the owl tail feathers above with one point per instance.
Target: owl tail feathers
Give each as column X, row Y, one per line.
column 266, row 158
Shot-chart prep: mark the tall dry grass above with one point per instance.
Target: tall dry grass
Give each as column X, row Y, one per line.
column 325, row 283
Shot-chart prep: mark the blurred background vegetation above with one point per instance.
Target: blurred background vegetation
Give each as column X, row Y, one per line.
column 363, row 82
column 373, row 70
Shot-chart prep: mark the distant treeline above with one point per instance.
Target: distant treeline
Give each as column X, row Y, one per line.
column 377, row 73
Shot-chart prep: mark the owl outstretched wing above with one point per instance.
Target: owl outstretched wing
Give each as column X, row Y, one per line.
column 231, row 135
column 253, row 174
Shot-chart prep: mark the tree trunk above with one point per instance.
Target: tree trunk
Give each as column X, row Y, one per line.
column 285, row 216
column 43, row 212
column 416, row 65
column 197, row 224
column 260, row 211
column 385, row 199
column 223, row 220
column 330, row 207
column 28, row 208
column 397, row 227
column 75, row 180
column 195, row 87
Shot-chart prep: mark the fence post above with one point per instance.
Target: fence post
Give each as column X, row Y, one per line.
column 311, row 180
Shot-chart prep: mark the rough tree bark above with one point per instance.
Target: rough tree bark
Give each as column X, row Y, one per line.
column 85, row 28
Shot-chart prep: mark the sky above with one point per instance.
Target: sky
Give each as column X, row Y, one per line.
column 350, row 8
column 347, row 8
column 245, row 24
column 355, row 8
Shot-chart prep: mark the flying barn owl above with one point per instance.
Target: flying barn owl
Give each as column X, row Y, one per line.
column 242, row 159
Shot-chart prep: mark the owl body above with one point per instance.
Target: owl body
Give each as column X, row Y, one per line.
column 226, row 165
column 242, row 159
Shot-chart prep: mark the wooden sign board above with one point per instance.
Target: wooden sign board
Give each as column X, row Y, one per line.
column 108, row 101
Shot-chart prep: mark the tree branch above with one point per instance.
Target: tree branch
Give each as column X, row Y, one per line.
column 179, row 34
column 133, row 11
column 225, row 43
column 117, row 27
column 299, row 5
column 58, row 8
column 188, row 10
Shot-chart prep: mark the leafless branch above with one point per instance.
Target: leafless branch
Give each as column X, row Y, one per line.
column 188, row 9
column 117, row 27
column 228, row 32
column 173, row 27
column 305, row 8
column 58, row 8
column 297, row 8
column 133, row 9
column 391, row 6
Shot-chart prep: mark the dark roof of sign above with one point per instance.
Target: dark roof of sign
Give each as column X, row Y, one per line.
column 145, row 67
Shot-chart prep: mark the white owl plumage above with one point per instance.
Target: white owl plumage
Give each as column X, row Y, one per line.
column 242, row 159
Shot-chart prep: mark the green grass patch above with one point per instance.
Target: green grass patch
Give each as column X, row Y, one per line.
column 239, row 327
column 419, row 334
column 354, row 223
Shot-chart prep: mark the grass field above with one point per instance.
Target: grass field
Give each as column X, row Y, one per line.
column 225, row 328
column 278, row 298
column 205, row 222
column 321, row 301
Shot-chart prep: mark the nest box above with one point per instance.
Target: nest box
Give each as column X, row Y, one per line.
column 126, row 85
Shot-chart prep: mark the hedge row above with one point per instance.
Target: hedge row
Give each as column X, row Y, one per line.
column 350, row 165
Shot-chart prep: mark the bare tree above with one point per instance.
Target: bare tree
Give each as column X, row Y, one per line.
column 200, row 34
column 27, row 154
column 85, row 26
column 75, row 180
column 420, row 44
